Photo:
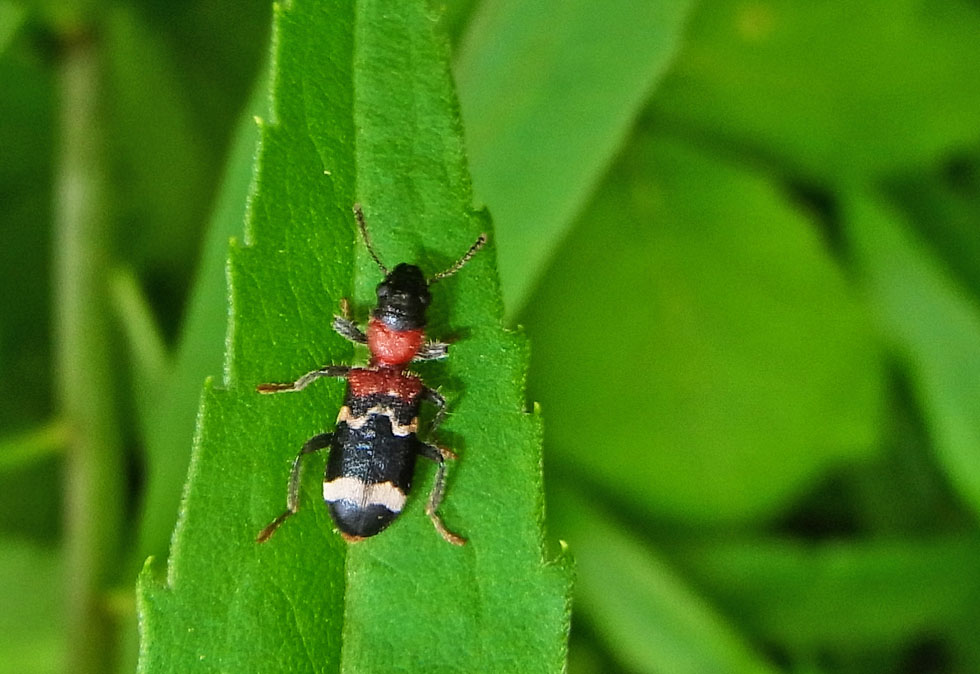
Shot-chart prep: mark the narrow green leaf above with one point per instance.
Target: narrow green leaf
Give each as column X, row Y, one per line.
column 719, row 362
column 549, row 91
column 145, row 343
column 228, row 603
column 28, row 446
column 642, row 608
column 933, row 326
column 494, row 605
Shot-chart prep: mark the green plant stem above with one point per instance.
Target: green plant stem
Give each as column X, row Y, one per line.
column 93, row 487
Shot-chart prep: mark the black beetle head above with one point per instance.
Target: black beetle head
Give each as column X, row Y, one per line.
column 403, row 298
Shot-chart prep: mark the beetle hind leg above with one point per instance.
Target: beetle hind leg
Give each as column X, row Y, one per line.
column 439, row 455
column 314, row 444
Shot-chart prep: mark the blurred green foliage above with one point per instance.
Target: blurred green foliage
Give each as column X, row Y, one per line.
column 744, row 241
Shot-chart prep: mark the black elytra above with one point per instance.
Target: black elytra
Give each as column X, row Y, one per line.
column 374, row 446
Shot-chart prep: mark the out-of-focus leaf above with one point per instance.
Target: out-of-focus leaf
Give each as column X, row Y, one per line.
column 12, row 16
column 944, row 206
column 641, row 607
column 834, row 91
column 933, row 326
column 168, row 421
column 26, row 447
column 31, row 622
column 839, row 595
column 548, row 92
column 164, row 173
column 697, row 350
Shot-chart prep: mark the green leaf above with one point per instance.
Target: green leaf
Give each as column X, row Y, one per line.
column 549, row 92
column 839, row 595
column 836, row 92
column 12, row 17
column 169, row 418
column 932, row 325
column 495, row 604
column 158, row 149
column 31, row 622
column 229, row 603
column 642, row 608
column 696, row 349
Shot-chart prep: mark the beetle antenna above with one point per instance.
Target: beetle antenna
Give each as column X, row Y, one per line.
column 359, row 216
column 474, row 249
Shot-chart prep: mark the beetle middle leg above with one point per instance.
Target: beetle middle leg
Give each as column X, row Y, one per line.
column 439, row 455
column 314, row 444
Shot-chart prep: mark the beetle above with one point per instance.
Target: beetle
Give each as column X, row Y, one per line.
column 375, row 443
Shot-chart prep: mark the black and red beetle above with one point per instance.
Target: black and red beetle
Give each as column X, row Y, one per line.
column 373, row 448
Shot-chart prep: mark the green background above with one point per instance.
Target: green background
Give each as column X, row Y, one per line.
column 742, row 236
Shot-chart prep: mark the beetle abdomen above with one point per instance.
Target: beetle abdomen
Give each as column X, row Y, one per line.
column 369, row 473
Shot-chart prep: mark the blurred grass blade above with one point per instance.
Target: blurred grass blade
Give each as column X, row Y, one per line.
column 146, row 347
column 548, row 92
column 28, row 446
column 643, row 610
column 933, row 326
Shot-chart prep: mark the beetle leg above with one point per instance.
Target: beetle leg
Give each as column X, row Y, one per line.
column 305, row 380
column 314, row 444
column 434, row 397
column 439, row 455
column 345, row 327
column 432, row 351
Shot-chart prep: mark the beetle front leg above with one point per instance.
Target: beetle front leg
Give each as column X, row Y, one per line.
column 345, row 327
column 305, row 380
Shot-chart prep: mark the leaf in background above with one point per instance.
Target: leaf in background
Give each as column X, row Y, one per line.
column 27, row 150
column 837, row 92
column 697, row 350
column 641, row 607
column 32, row 620
column 932, row 325
column 12, row 16
column 944, row 206
column 846, row 596
column 548, row 92
column 228, row 603
column 164, row 171
column 496, row 601
column 168, row 422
